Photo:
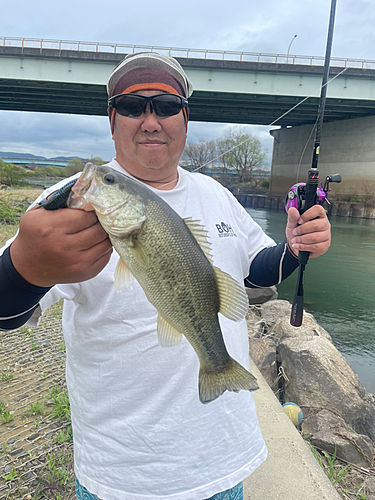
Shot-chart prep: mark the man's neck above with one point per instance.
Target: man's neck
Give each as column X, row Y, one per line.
column 163, row 184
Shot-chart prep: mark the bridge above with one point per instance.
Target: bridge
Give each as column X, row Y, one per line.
column 230, row 87
column 35, row 162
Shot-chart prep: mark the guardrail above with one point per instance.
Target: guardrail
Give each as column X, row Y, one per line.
column 224, row 55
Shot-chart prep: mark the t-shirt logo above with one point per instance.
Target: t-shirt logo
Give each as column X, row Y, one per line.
column 224, row 230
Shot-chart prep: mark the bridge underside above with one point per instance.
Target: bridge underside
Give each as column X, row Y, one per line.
column 260, row 109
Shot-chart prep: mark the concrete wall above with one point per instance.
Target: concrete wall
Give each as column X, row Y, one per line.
column 347, row 148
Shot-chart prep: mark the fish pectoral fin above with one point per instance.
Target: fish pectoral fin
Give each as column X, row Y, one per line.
column 234, row 302
column 139, row 254
column 201, row 236
column 168, row 336
column 123, row 276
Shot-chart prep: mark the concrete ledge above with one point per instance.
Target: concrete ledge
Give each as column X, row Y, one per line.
column 291, row 470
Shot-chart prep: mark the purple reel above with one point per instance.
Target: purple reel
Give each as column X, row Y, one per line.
column 296, row 196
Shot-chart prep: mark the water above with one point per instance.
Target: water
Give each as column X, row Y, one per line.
column 339, row 287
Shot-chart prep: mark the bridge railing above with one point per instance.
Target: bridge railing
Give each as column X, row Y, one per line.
column 224, row 55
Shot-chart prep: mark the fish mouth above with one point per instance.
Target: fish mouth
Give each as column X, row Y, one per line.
column 84, row 186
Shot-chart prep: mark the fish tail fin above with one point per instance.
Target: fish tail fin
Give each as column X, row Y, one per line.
column 233, row 377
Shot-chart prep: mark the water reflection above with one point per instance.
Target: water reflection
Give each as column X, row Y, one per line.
column 339, row 287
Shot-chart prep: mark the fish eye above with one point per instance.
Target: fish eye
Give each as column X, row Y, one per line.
column 109, row 178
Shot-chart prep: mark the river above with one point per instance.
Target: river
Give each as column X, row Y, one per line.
column 339, row 287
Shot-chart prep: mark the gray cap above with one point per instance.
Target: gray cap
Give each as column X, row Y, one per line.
column 135, row 71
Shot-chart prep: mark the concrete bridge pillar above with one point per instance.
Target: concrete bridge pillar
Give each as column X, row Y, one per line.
column 347, row 148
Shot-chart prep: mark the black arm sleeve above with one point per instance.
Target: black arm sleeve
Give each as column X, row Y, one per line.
column 270, row 266
column 18, row 298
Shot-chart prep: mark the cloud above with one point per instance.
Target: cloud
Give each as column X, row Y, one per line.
column 51, row 135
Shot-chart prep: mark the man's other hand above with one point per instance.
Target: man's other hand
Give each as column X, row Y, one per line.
column 310, row 232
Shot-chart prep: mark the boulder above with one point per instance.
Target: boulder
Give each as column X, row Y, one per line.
column 263, row 353
column 261, row 295
column 369, row 487
column 320, row 377
column 272, row 311
column 317, row 375
column 329, row 432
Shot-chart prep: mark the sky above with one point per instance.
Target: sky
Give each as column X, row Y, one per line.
column 266, row 26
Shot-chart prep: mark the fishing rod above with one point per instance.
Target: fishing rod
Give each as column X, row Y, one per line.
column 311, row 187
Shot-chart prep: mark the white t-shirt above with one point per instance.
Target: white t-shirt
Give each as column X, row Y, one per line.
column 140, row 431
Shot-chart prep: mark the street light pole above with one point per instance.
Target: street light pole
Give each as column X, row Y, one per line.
column 287, row 54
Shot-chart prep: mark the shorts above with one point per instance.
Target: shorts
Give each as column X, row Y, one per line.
column 235, row 493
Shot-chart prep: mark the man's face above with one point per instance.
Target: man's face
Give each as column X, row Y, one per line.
column 149, row 147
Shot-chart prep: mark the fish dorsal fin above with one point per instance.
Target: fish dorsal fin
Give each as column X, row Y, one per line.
column 234, row 302
column 201, row 235
column 168, row 336
column 123, row 276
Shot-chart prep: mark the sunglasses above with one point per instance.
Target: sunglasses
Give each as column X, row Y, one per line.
column 133, row 105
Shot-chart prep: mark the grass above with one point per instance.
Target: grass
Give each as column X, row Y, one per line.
column 60, row 402
column 13, row 203
column 6, row 417
column 6, row 373
column 35, row 410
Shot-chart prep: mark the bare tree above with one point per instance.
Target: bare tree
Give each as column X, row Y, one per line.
column 241, row 152
column 200, row 155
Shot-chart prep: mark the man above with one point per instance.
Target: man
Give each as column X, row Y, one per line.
column 139, row 429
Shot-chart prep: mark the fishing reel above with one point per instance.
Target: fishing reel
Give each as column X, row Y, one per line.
column 296, row 194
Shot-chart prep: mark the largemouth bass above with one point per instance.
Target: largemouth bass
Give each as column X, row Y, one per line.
column 169, row 256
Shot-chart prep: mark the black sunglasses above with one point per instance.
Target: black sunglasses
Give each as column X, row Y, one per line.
column 133, row 105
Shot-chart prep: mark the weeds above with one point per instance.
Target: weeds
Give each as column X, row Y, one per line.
column 6, row 373
column 333, row 469
column 64, row 437
column 61, row 404
column 35, row 409
column 11, row 476
column 6, row 417
column 52, row 484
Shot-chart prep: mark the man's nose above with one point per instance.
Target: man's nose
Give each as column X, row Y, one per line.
column 150, row 121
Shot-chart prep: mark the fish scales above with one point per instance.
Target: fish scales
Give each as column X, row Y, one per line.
column 177, row 266
column 163, row 252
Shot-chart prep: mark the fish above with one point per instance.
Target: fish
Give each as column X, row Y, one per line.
column 170, row 258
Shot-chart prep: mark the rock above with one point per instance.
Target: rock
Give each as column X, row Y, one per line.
column 320, row 377
column 16, row 452
column 369, row 486
column 329, row 432
column 272, row 311
column 309, row 329
column 261, row 295
column 263, row 353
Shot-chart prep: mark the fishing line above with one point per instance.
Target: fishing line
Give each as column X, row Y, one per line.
column 270, row 125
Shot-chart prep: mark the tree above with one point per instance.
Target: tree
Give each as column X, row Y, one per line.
column 11, row 174
column 73, row 167
column 242, row 153
column 49, row 171
column 200, row 155
column 97, row 160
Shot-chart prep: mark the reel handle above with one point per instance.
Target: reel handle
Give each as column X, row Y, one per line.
column 334, row 178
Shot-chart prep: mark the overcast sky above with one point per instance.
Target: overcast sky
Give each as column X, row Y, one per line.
column 245, row 25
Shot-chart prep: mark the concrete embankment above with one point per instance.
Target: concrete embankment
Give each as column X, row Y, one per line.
column 291, row 470
column 341, row 209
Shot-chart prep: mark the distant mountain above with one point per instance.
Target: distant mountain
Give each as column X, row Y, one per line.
column 5, row 154
column 66, row 158
column 29, row 156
